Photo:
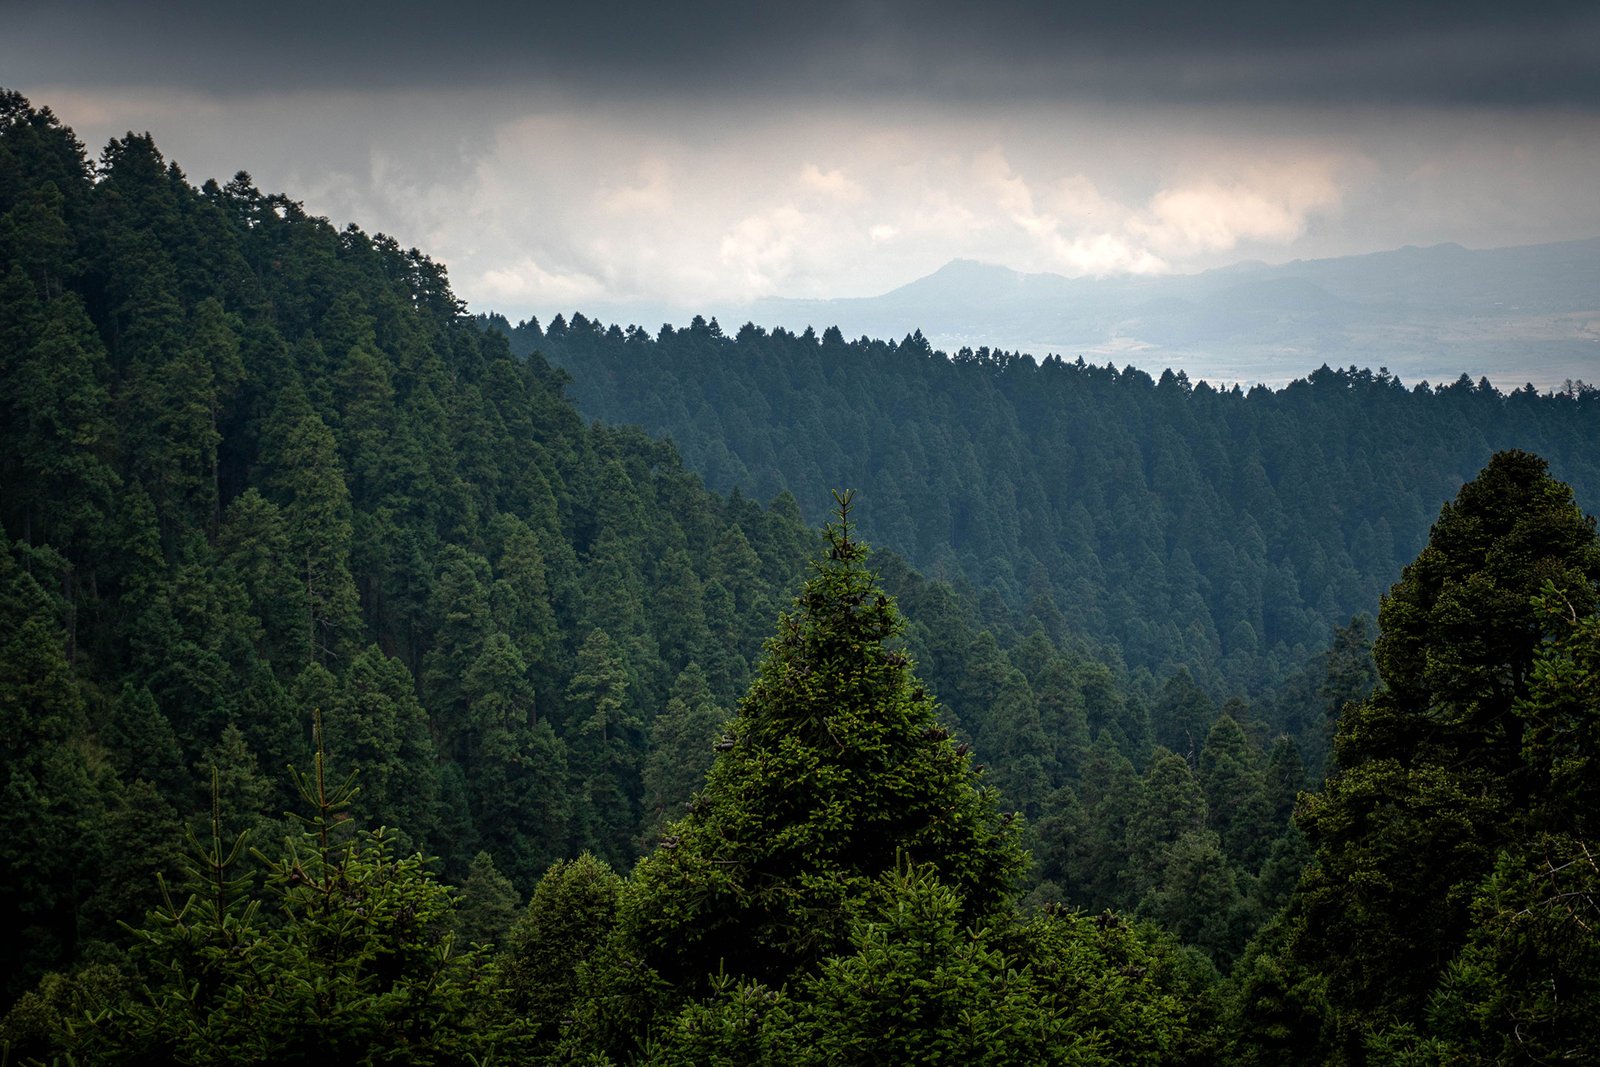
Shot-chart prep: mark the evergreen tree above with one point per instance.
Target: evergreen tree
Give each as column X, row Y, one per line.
column 1285, row 777
column 52, row 813
column 253, row 546
column 918, row 987
column 1170, row 806
column 63, row 436
column 141, row 742
column 1527, row 981
column 360, row 964
column 603, row 745
column 521, row 601
column 1237, row 805
column 1433, row 779
column 241, row 796
column 35, row 236
column 1182, row 716
column 146, row 835
column 375, row 725
column 488, row 904
column 679, row 607
column 317, row 523
column 1084, row 837
column 1526, row 984
column 680, row 750
column 1063, row 717
column 570, row 915
column 832, row 768
column 458, row 610
column 1350, row 673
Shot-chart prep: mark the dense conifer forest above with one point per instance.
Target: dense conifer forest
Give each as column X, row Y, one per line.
column 362, row 702
column 1171, row 524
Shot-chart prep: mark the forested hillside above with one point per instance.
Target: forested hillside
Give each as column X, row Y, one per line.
column 1173, row 524
column 361, row 702
column 255, row 467
column 257, row 470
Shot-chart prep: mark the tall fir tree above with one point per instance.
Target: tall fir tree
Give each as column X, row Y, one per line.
column 1433, row 780
column 833, row 769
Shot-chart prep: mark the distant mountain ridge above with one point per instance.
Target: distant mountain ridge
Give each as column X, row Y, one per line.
column 1524, row 313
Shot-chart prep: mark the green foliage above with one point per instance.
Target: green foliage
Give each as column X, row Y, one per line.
column 916, row 984
column 1237, row 806
column 1392, row 845
column 375, row 723
column 255, row 468
column 571, row 913
column 1279, row 1012
column 317, row 526
column 38, row 1024
column 255, row 465
column 487, row 906
column 787, row 918
column 917, row 987
column 61, row 433
column 1083, row 836
column 1182, row 716
column 53, row 806
column 1225, row 531
column 1527, row 982
column 603, row 750
column 1561, row 738
column 241, row 795
column 147, row 837
column 1170, row 805
column 834, row 765
column 1439, row 778
column 263, row 466
column 141, row 741
column 738, row 1023
column 680, row 750
column 1125, row 992
column 358, row 964
column 1198, row 898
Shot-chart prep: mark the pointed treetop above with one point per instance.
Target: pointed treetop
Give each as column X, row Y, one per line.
column 838, row 533
column 834, row 765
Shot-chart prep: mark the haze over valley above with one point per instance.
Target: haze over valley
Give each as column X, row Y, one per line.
column 1517, row 315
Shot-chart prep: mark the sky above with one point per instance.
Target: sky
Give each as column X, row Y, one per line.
column 703, row 153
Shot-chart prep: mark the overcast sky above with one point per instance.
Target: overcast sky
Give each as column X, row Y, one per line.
column 702, row 152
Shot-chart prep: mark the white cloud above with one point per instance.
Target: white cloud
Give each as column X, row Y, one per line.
column 1076, row 197
column 1078, row 232
column 832, row 183
column 525, row 282
column 1271, row 205
column 760, row 250
column 649, row 194
column 538, row 204
column 1109, row 254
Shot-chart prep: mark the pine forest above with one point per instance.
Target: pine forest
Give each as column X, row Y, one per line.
column 384, row 683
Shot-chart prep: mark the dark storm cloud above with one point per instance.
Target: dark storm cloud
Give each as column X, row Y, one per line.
column 1365, row 50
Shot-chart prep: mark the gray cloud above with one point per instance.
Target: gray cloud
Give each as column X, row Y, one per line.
column 1431, row 52
column 699, row 154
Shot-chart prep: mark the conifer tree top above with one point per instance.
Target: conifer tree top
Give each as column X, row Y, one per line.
column 833, row 767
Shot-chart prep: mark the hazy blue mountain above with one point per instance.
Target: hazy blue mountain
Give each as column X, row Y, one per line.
column 1520, row 314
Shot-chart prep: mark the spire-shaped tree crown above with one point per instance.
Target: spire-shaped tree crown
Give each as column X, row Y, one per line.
column 834, row 765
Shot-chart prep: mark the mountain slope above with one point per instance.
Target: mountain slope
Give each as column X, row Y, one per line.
column 1175, row 525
